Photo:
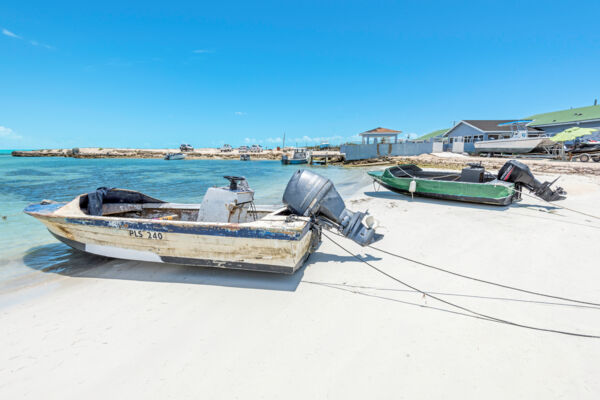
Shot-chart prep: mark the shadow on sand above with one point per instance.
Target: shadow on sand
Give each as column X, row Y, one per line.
column 57, row 258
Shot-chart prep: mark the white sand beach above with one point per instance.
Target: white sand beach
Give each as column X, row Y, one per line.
column 337, row 329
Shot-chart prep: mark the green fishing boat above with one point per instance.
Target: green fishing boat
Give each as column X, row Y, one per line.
column 472, row 184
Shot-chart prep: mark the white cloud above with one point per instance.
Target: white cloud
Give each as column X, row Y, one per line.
column 319, row 139
column 7, row 133
column 201, row 51
column 253, row 141
column 240, row 113
column 8, row 33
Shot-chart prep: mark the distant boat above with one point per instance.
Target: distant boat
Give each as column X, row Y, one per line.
column 519, row 143
column 299, row 156
column 174, row 156
column 244, row 157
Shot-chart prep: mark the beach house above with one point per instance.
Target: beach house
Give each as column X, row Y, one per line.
column 557, row 121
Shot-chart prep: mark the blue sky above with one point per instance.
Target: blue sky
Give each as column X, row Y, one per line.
column 149, row 74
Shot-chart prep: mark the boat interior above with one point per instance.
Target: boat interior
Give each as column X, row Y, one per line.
column 121, row 203
column 475, row 173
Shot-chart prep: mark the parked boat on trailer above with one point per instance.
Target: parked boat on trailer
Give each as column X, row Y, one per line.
column 226, row 230
column 521, row 141
column 472, row 184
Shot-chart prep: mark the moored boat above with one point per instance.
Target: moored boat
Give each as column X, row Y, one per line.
column 174, row 156
column 299, row 156
column 226, row 230
column 472, row 184
column 244, row 157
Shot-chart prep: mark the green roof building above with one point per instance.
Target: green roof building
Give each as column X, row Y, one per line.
column 557, row 121
column 433, row 134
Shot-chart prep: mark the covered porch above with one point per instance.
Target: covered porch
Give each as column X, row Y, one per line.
column 380, row 135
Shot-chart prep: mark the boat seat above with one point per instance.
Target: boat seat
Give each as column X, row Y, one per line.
column 472, row 174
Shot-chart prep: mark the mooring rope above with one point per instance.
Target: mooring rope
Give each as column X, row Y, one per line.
column 597, row 305
column 478, row 314
column 556, row 205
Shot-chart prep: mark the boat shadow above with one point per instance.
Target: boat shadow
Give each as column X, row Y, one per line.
column 57, row 258
column 387, row 194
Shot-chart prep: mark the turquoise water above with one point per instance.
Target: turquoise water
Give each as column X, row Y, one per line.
column 29, row 180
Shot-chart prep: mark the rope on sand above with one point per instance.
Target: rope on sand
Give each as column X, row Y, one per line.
column 465, row 309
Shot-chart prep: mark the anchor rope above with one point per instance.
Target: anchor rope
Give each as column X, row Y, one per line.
column 449, row 303
column 556, row 205
column 597, row 305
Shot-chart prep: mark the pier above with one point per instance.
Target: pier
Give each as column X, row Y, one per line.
column 326, row 157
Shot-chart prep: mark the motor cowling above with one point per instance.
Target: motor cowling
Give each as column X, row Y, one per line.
column 520, row 174
column 310, row 194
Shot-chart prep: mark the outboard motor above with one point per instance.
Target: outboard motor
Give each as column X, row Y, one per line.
column 310, row 194
column 519, row 173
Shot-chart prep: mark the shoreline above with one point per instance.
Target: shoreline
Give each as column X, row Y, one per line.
column 458, row 161
column 433, row 160
column 99, row 152
column 198, row 154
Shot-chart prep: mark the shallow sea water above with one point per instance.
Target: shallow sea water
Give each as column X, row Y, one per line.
column 24, row 240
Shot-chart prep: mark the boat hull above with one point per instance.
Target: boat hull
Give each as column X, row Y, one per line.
column 512, row 146
column 500, row 194
column 294, row 162
column 268, row 245
column 175, row 157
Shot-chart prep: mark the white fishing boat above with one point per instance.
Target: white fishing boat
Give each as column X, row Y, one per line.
column 520, row 142
column 226, row 230
column 174, row 156
column 299, row 156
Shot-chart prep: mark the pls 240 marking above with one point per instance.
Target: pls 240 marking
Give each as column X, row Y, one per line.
column 146, row 235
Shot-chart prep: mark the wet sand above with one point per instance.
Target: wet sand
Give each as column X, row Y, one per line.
column 89, row 327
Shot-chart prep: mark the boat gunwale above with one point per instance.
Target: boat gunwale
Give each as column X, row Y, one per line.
column 508, row 185
column 76, row 216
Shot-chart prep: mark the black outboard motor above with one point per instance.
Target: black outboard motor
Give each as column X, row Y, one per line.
column 309, row 194
column 519, row 173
